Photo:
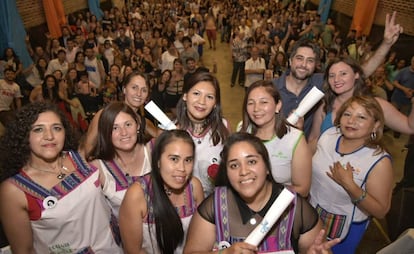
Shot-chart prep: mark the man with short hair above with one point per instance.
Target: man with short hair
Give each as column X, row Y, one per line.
column 66, row 35
column 192, row 68
column 239, row 56
column 58, row 63
column 95, row 68
column 254, row 68
column 71, row 50
column 178, row 43
column 10, row 96
column 123, row 41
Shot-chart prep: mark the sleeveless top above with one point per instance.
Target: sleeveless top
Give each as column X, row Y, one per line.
column 278, row 239
column 116, row 182
column 281, row 153
column 185, row 212
column 75, row 217
column 92, row 67
column 327, row 122
column 331, row 201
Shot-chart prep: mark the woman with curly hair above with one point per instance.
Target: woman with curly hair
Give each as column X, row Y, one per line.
column 53, row 202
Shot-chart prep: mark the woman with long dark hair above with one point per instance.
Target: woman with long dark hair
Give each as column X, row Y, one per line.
column 199, row 113
column 157, row 210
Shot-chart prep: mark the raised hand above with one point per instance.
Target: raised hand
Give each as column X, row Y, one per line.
column 392, row 30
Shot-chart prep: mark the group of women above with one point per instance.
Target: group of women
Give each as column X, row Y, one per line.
column 199, row 188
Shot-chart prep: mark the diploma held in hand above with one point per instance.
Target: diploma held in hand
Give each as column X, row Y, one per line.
column 280, row 204
column 157, row 113
column 310, row 100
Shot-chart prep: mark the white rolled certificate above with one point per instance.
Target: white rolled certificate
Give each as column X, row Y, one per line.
column 161, row 117
column 310, row 100
column 280, row 204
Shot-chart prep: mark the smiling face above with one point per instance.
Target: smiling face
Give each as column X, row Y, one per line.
column 303, row 63
column 341, row 78
column 246, row 170
column 200, row 101
column 357, row 123
column 136, row 92
column 176, row 164
column 261, row 107
column 124, row 132
column 47, row 137
column 50, row 82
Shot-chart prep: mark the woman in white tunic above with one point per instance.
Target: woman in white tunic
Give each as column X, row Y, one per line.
column 54, row 200
column 120, row 148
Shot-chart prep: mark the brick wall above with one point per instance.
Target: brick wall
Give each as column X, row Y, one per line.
column 32, row 11
column 405, row 9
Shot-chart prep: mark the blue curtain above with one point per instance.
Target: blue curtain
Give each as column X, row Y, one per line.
column 324, row 8
column 95, row 9
column 12, row 32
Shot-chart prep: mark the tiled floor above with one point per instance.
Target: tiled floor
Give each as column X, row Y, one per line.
column 232, row 98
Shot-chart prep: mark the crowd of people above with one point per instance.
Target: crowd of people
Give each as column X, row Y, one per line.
column 124, row 184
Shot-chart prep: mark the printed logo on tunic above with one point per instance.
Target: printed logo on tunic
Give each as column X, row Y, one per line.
column 280, row 155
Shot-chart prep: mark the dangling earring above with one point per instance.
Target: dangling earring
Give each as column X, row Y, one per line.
column 338, row 128
column 373, row 136
column 137, row 131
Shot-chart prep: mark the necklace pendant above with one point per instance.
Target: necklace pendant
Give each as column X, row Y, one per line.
column 199, row 141
column 252, row 221
column 61, row 176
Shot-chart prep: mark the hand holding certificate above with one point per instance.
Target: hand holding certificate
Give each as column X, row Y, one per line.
column 156, row 112
column 310, row 100
column 280, row 204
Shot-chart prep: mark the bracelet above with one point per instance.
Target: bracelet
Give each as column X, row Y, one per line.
column 360, row 198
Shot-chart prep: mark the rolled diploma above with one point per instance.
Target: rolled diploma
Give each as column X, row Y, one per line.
column 157, row 113
column 280, row 204
column 310, row 100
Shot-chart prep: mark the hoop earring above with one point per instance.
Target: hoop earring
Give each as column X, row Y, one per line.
column 373, row 136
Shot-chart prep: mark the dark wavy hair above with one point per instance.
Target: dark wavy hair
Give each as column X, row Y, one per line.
column 237, row 137
column 281, row 125
column 359, row 87
column 14, row 144
column 214, row 119
column 104, row 148
column 307, row 44
column 374, row 109
column 169, row 229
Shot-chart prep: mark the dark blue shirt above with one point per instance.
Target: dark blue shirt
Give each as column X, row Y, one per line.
column 290, row 101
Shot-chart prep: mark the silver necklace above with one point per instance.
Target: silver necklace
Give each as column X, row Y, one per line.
column 60, row 175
